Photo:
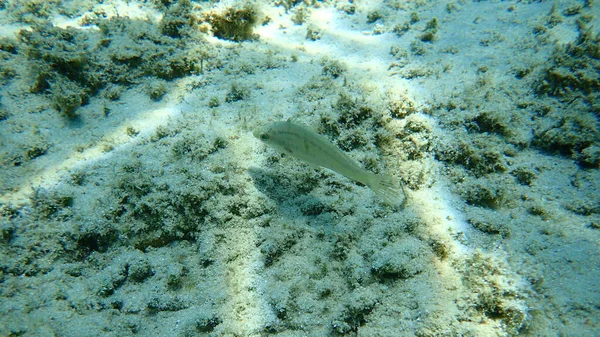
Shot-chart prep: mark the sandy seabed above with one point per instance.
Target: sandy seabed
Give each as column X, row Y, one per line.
column 134, row 199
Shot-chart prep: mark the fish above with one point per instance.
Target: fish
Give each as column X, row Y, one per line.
column 300, row 142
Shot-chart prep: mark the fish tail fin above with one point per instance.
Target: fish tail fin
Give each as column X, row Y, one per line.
column 387, row 188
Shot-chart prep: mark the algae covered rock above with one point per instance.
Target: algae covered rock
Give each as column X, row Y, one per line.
column 234, row 23
column 74, row 65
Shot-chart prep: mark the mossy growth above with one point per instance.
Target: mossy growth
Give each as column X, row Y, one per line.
column 493, row 227
column 401, row 28
column 485, row 193
column 35, row 149
column 236, row 93
column 67, row 96
column 131, row 131
column 378, row 29
column 430, row 32
column 156, row 89
column 177, row 20
column 440, row 248
column 288, row 4
column 524, row 175
column 78, row 177
column 355, row 315
column 197, row 147
column 300, row 14
column 575, row 135
column 3, row 113
column 418, row 48
column 494, row 293
column 401, row 56
column 401, row 106
column 31, row 11
column 414, row 17
column 590, row 156
column 573, row 79
column 62, row 51
column 134, row 49
column 490, row 122
column 313, row 33
column 554, row 18
column 373, row 16
column 62, row 62
column 573, row 72
column 74, row 65
column 352, row 111
column 213, row 102
column 333, row 68
column 113, row 92
column 234, row 24
column 139, row 268
column 400, row 260
column 163, row 4
column 49, row 203
column 540, row 211
column 585, row 207
column 477, row 155
column 318, row 88
column 8, row 49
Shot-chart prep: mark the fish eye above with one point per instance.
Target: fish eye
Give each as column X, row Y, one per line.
column 264, row 136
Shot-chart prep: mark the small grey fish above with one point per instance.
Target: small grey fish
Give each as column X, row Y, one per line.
column 301, row 142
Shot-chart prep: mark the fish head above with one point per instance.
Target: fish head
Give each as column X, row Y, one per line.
column 262, row 133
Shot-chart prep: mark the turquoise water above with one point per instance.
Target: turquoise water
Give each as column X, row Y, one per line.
column 134, row 199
